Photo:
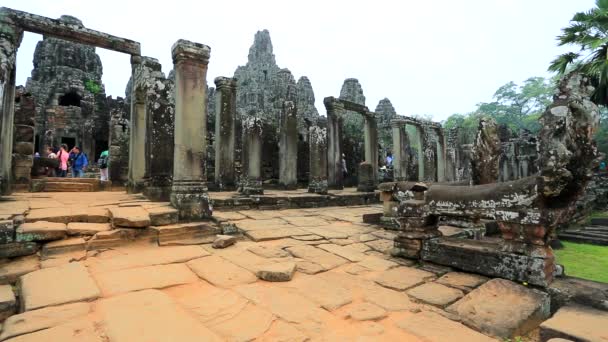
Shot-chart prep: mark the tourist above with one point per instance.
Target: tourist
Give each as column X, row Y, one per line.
column 344, row 170
column 50, row 170
column 389, row 160
column 103, row 165
column 79, row 163
column 63, row 157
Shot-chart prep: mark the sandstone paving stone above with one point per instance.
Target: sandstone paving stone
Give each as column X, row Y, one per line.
column 8, row 303
column 130, row 217
column 462, row 281
column 86, row 228
column 268, row 251
column 31, row 321
column 576, row 323
column 356, row 269
column 223, row 311
column 190, row 233
column 228, row 216
column 308, row 267
column 146, row 257
column 305, row 221
column 160, row 216
column 435, row 294
column 502, row 308
column 64, row 246
column 342, row 242
column 273, row 234
column 98, row 215
column 430, row 326
column 40, row 231
column 11, row 270
column 326, row 232
column 73, row 331
column 374, row 263
column 384, row 234
column 276, row 272
column 329, row 295
column 388, row 299
column 59, row 215
column 366, row 312
column 221, row 272
column 140, row 278
column 61, row 259
column 64, row 284
column 344, row 252
column 402, row 278
column 242, row 257
column 360, row 247
column 150, row 315
column 381, row 245
column 223, row 241
column 318, row 256
column 367, row 237
column 290, row 306
column 308, row 237
column 256, row 224
column 283, row 331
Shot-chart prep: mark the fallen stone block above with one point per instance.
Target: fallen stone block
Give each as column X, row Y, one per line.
column 8, row 303
column 193, row 233
column 462, row 281
column 576, row 323
column 223, row 241
column 281, row 271
column 41, row 231
column 64, row 284
column 161, row 216
column 98, row 215
column 130, row 217
column 15, row 249
column 503, row 308
column 86, row 228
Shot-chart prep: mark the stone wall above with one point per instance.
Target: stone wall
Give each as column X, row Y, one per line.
column 118, row 161
column 23, row 146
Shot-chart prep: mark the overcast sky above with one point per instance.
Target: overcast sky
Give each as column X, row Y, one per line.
column 428, row 57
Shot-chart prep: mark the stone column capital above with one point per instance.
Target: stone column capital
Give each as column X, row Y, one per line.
column 184, row 50
column 398, row 123
column 224, row 82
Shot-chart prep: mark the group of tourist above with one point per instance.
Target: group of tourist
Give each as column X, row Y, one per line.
column 76, row 160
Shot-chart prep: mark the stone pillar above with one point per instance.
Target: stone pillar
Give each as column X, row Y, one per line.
column 251, row 179
column 288, row 146
column 137, row 138
column 371, row 145
column 400, row 155
column 429, row 154
column 366, row 181
column 441, row 156
column 335, row 111
column 420, row 154
column 485, row 155
column 189, row 190
column 10, row 38
column 318, row 160
column 225, row 132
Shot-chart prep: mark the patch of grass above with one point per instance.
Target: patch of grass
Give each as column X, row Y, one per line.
column 584, row 261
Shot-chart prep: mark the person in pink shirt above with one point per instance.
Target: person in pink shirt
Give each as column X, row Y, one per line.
column 63, row 157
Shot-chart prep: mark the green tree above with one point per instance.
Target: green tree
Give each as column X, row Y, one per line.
column 588, row 31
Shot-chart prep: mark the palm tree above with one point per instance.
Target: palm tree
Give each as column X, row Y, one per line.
column 588, row 30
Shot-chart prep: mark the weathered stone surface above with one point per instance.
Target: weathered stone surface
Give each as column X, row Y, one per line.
column 31, row 321
column 223, row 241
column 144, row 315
column 318, row 256
column 576, row 323
column 268, row 252
column 431, row 326
column 273, row 234
column 131, row 217
column 220, row 272
column 8, row 303
column 98, row 215
column 462, row 281
column 7, row 231
column 11, row 270
column 381, row 245
column 344, row 252
column 282, row 331
column 40, row 231
column 403, row 278
column 84, row 228
column 64, row 284
column 141, row 278
column 310, row 267
column 374, row 263
column 49, row 214
column 366, row 312
column 280, row 271
column 191, row 233
column 64, row 246
column 160, row 216
column 502, row 308
column 388, row 299
column 16, row 249
column 72, row 331
column 435, row 294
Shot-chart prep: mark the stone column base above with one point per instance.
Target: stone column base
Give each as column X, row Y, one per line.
column 251, row 186
column 409, row 244
column 190, row 198
column 158, row 189
column 135, row 187
column 318, row 186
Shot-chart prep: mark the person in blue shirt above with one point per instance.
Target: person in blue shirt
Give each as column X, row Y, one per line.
column 79, row 163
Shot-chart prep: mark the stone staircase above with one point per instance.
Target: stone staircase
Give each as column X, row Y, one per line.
column 595, row 233
column 68, row 184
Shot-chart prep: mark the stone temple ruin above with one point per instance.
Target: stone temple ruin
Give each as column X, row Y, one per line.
column 433, row 246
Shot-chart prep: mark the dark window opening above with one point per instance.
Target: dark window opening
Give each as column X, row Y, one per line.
column 300, row 137
column 265, row 75
column 17, row 99
column 71, row 142
column 70, row 99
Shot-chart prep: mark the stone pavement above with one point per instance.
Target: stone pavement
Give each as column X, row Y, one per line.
column 346, row 286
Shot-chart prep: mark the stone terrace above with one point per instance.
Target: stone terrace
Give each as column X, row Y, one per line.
column 338, row 281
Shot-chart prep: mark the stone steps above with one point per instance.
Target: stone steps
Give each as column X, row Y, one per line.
column 578, row 237
column 68, row 187
column 68, row 184
column 599, row 221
